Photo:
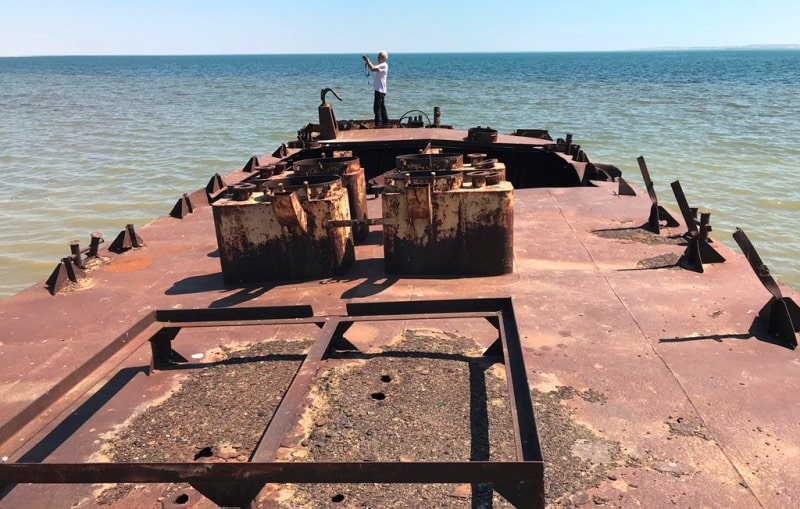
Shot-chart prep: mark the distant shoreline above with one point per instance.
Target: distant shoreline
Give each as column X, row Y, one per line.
column 721, row 48
column 754, row 47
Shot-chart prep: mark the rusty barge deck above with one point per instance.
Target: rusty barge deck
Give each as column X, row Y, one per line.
column 664, row 379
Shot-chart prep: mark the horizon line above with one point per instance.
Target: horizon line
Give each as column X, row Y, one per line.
column 633, row 50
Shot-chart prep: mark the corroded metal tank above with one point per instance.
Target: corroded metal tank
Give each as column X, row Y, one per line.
column 429, row 162
column 352, row 174
column 448, row 222
column 282, row 231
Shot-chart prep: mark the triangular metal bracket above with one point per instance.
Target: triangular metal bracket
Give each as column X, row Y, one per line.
column 664, row 214
column 697, row 253
column 658, row 214
column 654, row 221
column 127, row 239
column 699, row 250
column 58, row 279
column 625, row 189
column 281, row 151
column 249, row 167
column 215, row 188
column 64, row 272
column 707, row 253
column 782, row 319
column 690, row 259
column 182, row 208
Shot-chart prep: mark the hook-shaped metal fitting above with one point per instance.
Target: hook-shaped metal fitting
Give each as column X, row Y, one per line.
column 325, row 91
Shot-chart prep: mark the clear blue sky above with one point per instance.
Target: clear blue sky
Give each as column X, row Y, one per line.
column 172, row 27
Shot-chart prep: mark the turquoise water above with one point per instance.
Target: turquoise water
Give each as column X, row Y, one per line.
column 93, row 143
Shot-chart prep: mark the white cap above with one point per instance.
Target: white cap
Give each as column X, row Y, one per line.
column 384, row 54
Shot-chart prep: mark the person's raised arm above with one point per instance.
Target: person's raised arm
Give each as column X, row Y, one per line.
column 370, row 65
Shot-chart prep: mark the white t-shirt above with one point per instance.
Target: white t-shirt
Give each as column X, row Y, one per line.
column 380, row 77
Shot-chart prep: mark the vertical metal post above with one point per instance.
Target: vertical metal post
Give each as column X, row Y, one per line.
column 94, row 244
column 75, row 248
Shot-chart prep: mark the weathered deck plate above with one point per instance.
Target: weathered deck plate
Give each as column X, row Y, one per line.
column 672, row 384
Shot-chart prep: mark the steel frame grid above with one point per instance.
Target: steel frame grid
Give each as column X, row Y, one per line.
column 520, row 481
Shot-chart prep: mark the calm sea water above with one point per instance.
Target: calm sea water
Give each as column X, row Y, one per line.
column 93, row 143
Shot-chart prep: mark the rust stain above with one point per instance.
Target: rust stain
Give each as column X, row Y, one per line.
column 130, row 264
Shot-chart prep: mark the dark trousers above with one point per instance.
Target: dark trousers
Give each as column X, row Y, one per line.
column 379, row 107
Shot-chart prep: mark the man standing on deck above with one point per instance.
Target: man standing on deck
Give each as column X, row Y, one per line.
column 379, row 105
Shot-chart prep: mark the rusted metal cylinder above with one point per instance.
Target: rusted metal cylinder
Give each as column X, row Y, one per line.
column 265, row 171
column 243, row 191
column 464, row 231
column 75, row 248
column 326, row 165
column 437, row 116
column 439, row 180
column 94, row 244
column 308, row 187
column 284, row 233
column 353, row 179
column 429, row 162
column 489, row 165
column 475, row 158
